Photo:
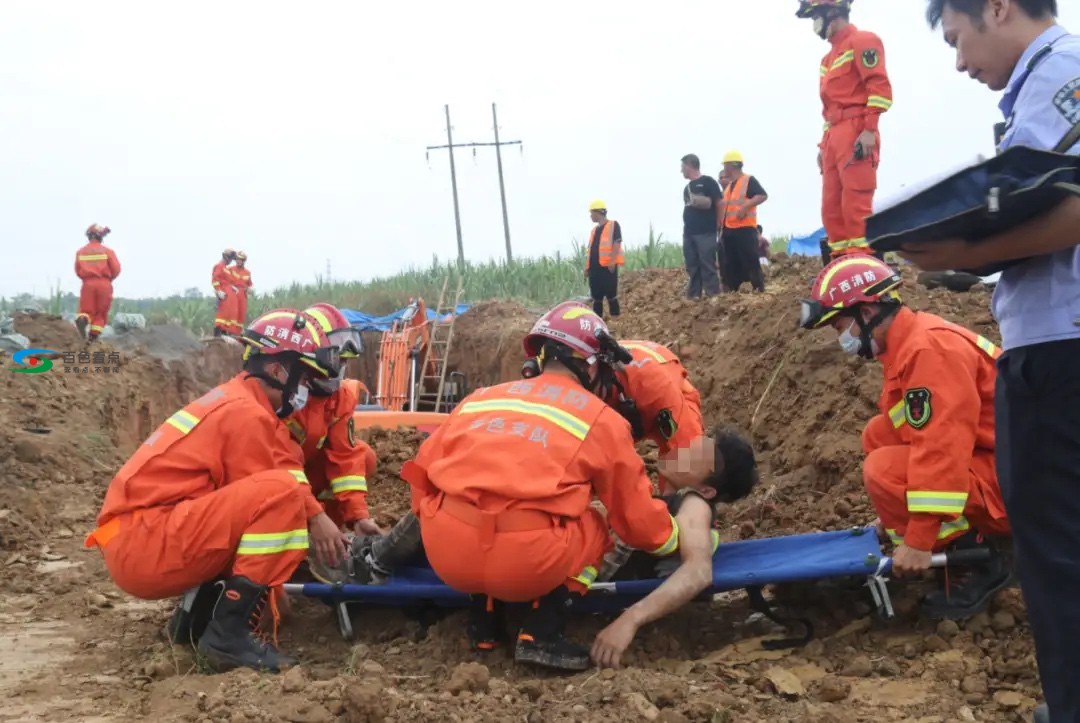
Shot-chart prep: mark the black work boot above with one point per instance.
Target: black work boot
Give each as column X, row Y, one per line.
column 231, row 639
column 613, row 306
column 968, row 590
column 192, row 615
column 542, row 640
column 373, row 558
column 485, row 622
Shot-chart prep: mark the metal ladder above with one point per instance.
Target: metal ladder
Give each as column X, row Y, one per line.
column 441, row 335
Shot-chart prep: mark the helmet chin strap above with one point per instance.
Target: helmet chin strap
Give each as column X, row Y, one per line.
column 866, row 328
column 287, row 389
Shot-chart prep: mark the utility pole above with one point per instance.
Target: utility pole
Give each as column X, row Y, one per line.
column 450, row 146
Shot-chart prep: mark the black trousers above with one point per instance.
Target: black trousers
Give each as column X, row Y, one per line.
column 1037, row 429
column 604, row 284
column 741, row 259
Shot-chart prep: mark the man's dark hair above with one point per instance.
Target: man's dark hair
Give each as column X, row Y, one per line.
column 693, row 161
column 974, row 9
column 739, row 472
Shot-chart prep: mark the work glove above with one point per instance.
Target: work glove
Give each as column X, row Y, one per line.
column 220, row 294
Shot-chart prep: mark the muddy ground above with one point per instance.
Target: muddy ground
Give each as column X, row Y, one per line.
column 73, row 648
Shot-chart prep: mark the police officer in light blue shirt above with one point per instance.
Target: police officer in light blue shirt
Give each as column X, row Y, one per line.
column 1016, row 46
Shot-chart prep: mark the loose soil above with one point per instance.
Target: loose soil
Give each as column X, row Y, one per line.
column 73, row 648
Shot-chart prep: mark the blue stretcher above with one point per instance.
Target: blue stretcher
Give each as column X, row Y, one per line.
column 749, row 564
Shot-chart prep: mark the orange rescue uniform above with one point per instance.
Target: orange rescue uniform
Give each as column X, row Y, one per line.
column 242, row 280
column 670, row 406
column 929, row 468
column 97, row 266
column 221, row 279
column 855, row 90
column 336, row 463
column 503, row 490
column 217, row 489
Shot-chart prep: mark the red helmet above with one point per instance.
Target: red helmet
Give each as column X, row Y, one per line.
column 807, row 7
column 572, row 323
column 337, row 329
column 293, row 334
column 844, row 284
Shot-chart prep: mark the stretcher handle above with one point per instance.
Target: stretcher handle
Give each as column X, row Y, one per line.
column 952, row 558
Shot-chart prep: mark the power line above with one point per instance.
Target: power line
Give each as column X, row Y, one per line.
column 450, row 146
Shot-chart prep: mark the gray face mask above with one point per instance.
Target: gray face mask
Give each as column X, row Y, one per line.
column 299, row 400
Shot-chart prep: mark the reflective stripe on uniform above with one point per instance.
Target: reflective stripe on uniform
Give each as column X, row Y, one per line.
column 299, row 476
column 647, row 350
column 562, row 419
column 349, row 483
column 878, row 101
column 297, row 431
column 269, row 543
column 897, row 415
column 851, row 243
column 93, row 257
column 672, row 542
column 587, row 576
column 182, row 420
column 715, row 540
column 947, row 530
column 937, row 503
column 987, row 346
column 846, row 57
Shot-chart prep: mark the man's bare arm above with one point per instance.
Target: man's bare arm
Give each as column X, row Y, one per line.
column 692, row 576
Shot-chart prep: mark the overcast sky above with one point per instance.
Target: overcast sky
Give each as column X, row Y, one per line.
column 297, row 131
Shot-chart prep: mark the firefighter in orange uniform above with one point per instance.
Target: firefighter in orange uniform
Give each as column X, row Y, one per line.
column 502, row 492
column 604, row 258
column 221, row 279
column 242, row 281
column 97, row 266
column 336, row 463
column 855, row 91
column 215, row 502
column 929, row 468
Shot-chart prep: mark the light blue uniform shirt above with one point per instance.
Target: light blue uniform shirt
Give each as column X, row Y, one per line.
column 1038, row 300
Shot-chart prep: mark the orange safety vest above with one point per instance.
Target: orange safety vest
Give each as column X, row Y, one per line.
column 737, row 191
column 606, row 246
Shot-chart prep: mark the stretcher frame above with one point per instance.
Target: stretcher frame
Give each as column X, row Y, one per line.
column 874, row 567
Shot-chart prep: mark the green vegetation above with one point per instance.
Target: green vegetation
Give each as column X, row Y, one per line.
column 534, row 281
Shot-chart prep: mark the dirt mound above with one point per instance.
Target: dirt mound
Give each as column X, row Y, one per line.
column 169, row 342
column 78, row 650
column 47, row 331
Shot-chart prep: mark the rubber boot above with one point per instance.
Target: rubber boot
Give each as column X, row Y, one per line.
column 1041, row 714
column 192, row 615
column 968, row 590
column 598, row 307
column 485, row 622
column 374, row 557
column 613, row 307
column 230, row 640
column 218, row 331
column 81, row 322
column 542, row 640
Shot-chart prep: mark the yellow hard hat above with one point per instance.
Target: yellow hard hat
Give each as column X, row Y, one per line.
column 733, row 157
column 598, row 205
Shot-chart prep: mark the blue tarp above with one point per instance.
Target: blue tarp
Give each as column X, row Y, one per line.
column 366, row 322
column 736, row 565
column 809, row 245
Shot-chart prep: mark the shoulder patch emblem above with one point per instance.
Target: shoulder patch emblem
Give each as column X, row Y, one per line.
column 870, row 58
column 1067, row 101
column 917, row 407
column 350, row 426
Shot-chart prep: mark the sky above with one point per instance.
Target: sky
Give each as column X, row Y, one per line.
column 297, row 131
